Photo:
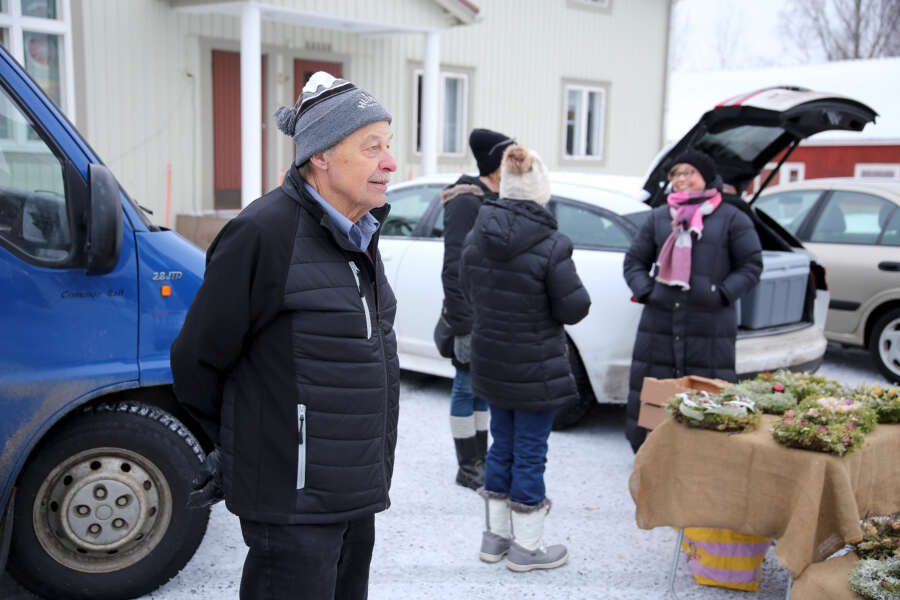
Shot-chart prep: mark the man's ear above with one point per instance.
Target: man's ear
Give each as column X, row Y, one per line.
column 319, row 160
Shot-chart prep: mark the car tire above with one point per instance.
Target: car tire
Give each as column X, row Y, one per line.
column 571, row 413
column 101, row 509
column 884, row 344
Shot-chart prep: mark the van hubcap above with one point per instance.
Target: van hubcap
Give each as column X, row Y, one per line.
column 102, row 510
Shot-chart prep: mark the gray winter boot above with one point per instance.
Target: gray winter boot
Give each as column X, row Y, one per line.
column 527, row 551
column 495, row 539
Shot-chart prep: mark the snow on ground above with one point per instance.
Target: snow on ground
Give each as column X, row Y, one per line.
column 427, row 543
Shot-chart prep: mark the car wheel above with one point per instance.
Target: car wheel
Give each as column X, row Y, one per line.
column 571, row 413
column 885, row 344
column 101, row 508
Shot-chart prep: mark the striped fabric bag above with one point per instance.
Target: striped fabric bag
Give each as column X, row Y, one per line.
column 725, row 558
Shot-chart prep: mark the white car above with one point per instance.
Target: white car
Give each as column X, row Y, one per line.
column 601, row 214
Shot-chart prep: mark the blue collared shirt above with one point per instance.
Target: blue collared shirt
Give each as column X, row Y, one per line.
column 359, row 233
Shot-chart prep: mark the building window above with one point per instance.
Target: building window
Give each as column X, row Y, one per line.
column 599, row 5
column 37, row 33
column 453, row 93
column 791, row 172
column 584, row 118
column 879, row 170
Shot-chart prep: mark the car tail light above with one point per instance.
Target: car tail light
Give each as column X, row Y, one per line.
column 817, row 273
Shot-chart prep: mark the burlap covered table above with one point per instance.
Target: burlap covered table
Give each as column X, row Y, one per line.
column 810, row 502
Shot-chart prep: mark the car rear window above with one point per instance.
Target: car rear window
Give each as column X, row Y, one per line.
column 742, row 143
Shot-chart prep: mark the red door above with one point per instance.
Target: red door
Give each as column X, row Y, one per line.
column 226, row 72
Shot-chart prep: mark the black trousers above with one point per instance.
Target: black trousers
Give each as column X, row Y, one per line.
column 308, row 562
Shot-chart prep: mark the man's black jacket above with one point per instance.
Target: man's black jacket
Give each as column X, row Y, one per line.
column 289, row 362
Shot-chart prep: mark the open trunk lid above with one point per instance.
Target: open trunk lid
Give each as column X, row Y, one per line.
column 743, row 133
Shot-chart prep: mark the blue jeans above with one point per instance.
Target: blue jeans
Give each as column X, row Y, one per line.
column 463, row 402
column 515, row 462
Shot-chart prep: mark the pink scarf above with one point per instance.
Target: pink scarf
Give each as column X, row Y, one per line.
column 687, row 210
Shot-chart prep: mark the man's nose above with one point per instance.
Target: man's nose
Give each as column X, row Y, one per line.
column 387, row 162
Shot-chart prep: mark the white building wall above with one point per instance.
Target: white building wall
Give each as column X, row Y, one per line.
column 144, row 83
column 523, row 49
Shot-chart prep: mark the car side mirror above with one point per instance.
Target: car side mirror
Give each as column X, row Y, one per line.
column 104, row 222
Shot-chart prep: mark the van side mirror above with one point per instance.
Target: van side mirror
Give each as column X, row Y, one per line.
column 104, row 222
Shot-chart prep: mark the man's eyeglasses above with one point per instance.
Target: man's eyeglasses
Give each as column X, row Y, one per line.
column 682, row 173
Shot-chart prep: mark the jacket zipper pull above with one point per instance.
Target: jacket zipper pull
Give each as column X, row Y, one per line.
column 355, row 270
column 301, row 419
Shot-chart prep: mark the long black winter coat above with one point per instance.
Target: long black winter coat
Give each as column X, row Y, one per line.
column 517, row 270
column 289, row 361
column 461, row 201
column 689, row 332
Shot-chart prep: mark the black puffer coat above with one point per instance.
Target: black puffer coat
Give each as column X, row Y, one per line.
column 689, row 332
column 518, row 273
column 461, row 201
column 288, row 358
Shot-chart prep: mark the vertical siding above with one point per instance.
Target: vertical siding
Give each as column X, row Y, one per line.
column 147, row 72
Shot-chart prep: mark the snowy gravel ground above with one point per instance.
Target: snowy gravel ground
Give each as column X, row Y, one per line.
column 427, row 543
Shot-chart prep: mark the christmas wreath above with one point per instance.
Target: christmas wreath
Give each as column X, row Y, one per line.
column 770, row 398
column 881, row 537
column 876, row 579
column 804, row 385
column 720, row 412
column 885, row 402
column 835, row 425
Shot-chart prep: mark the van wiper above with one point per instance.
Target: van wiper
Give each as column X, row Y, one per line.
column 145, row 209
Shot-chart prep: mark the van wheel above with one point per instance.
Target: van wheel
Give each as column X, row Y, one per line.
column 101, row 505
column 571, row 413
column 885, row 345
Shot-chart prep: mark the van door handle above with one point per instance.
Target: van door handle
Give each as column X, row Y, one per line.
column 888, row 265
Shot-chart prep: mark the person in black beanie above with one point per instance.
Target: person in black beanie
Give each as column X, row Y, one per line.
column 468, row 414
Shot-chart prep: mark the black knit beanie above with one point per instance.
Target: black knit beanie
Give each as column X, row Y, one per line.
column 487, row 147
column 700, row 161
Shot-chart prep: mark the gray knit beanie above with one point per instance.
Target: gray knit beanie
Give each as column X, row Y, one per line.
column 327, row 111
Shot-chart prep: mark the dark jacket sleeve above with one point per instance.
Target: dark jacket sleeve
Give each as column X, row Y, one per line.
column 218, row 322
column 745, row 252
column 459, row 217
column 639, row 260
column 569, row 301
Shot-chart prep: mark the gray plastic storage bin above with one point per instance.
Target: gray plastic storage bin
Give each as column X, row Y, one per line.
column 778, row 297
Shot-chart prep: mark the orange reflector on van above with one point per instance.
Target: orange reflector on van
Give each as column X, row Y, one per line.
column 166, row 290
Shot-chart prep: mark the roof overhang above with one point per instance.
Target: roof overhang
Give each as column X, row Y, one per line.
column 462, row 11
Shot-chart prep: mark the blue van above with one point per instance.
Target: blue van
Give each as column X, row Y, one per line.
column 97, row 458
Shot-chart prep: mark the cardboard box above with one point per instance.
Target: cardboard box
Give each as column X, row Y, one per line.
column 202, row 229
column 656, row 392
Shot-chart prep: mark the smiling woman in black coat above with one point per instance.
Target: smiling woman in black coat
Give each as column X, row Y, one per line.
column 690, row 262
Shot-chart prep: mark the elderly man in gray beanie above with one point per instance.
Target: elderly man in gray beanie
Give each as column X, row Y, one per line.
column 288, row 357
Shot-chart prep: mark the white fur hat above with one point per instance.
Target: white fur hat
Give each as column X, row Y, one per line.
column 523, row 176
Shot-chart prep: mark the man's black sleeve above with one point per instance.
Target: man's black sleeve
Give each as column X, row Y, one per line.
column 218, row 321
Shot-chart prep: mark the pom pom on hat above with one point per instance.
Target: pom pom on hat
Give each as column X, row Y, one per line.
column 523, row 176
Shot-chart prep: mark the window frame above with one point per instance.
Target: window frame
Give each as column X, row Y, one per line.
column 860, row 166
column 602, row 6
column 446, row 72
column 73, row 196
column 812, row 213
column 810, row 224
column 586, row 87
column 629, row 228
column 786, row 171
column 426, row 221
column 18, row 25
